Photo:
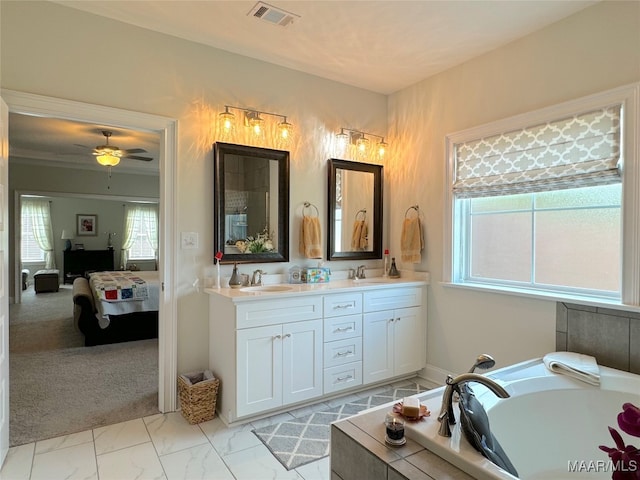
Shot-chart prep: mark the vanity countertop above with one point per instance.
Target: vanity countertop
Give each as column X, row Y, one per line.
column 285, row 290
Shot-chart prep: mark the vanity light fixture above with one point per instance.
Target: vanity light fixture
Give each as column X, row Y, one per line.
column 359, row 139
column 252, row 118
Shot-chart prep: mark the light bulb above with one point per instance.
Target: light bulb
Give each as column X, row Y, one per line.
column 342, row 139
column 285, row 129
column 227, row 120
column 256, row 124
column 382, row 148
column 362, row 143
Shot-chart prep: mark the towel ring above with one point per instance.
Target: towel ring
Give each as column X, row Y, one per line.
column 363, row 212
column 309, row 205
column 413, row 207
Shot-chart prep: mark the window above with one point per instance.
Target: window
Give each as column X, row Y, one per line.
column 140, row 233
column 30, row 250
column 542, row 240
column 537, row 202
column 37, row 234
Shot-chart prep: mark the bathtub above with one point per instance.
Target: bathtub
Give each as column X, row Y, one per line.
column 550, row 427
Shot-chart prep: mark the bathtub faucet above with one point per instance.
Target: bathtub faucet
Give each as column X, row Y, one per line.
column 446, row 417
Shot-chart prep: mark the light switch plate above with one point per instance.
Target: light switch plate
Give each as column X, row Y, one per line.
column 189, row 240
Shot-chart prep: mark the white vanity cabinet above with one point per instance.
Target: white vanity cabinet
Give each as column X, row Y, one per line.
column 278, row 353
column 278, row 365
column 394, row 333
column 342, row 341
column 274, row 351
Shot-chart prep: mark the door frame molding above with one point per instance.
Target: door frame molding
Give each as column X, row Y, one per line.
column 39, row 105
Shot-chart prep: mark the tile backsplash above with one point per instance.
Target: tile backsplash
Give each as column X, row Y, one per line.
column 611, row 336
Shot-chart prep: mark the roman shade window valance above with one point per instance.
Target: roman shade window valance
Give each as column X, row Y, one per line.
column 578, row 151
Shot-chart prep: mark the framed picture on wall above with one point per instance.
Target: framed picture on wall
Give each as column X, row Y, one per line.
column 86, row 225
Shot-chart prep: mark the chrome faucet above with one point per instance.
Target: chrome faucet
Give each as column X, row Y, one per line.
column 446, row 417
column 360, row 272
column 256, row 278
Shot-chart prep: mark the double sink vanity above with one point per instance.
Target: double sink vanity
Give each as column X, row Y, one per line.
column 278, row 346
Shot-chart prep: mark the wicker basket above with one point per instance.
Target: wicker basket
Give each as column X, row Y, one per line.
column 198, row 393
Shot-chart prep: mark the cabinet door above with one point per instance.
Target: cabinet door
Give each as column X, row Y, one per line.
column 377, row 346
column 259, row 360
column 409, row 340
column 301, row 360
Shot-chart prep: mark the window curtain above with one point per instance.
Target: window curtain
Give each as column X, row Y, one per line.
column 137, row 216
column 40, row 213
column 580, row 151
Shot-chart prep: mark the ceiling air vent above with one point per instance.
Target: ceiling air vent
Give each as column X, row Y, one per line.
column 271, row 14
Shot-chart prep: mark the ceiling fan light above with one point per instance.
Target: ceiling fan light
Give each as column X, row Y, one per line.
column 108, row 159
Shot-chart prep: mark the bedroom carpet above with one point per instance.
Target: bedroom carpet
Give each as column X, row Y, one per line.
column 58, row 392
column 58, row 386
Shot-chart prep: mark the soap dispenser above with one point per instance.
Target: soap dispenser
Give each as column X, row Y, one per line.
column 236, row 280
column 393, row 271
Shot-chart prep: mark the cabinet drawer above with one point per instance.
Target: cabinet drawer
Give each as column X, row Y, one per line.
column 390, row 298
column 342, row 304
column 342, row 377
column 271, row 312
column 342, row 351
column 337, row 328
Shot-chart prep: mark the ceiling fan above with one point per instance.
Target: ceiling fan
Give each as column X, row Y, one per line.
column 110, row 155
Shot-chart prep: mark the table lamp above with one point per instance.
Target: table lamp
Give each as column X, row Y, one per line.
column 66, row 235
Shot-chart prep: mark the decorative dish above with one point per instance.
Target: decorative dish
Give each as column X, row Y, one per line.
column 424, row 412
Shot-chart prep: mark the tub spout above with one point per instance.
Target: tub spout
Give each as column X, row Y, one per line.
column 447, row 417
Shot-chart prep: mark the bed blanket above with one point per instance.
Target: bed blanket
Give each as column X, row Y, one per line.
column 119, row 286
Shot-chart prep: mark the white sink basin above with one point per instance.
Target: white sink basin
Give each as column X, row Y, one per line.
column 267, row 288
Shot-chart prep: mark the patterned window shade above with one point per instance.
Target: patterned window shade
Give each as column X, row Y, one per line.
column 583, row 150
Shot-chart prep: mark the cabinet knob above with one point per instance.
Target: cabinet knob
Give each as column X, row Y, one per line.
column 277, row 336
column 286, row 335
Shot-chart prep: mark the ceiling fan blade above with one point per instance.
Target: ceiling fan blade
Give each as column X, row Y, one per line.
column 134, row 150
column 137, row 157
column 82, row 146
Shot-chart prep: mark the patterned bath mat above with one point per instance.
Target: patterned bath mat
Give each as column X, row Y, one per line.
column 302, row 440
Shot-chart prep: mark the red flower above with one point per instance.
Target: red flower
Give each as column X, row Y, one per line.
column 626, row 458
column 629, row 419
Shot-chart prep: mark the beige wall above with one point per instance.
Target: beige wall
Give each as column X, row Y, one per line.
column 51, row 50
column 594, row 50
column 591, row 51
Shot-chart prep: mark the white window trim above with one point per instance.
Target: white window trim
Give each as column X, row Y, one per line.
column 629, row 97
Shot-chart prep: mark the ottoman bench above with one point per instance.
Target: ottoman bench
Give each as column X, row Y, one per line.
column 46, row 281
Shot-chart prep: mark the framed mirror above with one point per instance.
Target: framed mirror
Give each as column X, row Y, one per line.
column 251, row 204
column 354, row 225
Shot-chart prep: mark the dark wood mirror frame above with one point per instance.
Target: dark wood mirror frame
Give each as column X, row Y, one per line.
column 281, row 253
column 378, row 182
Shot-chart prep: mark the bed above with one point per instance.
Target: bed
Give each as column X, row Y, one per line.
column 114, row 307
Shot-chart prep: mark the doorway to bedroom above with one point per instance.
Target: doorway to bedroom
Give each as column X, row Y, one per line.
column 72, row 369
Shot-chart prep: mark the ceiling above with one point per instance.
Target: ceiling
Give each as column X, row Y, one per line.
column 353, row 42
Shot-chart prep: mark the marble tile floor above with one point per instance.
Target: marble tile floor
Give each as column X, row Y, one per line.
column 166, row 447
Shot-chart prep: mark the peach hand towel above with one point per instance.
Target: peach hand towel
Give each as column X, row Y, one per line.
column 411, row 241
column 364, row 235
column 359, row 235
column 310, row 237
column 355, row 234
